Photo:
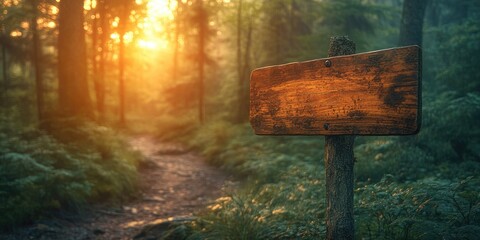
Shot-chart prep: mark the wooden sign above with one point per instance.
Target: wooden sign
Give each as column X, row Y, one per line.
column 373, row 93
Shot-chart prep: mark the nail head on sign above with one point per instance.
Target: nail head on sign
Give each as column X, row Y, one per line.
column 328, row 63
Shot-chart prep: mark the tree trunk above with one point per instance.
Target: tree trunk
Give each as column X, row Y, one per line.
column 411, row 27
column 243, row 65
column 74, row 99
column 121, row 66
column 244, row 103
column 240, row 93
column 94, row 55
column 177, row 44
column 37, row 61
column 202, row 31
column 4, row 70
column 339, row 161
column 101, row 61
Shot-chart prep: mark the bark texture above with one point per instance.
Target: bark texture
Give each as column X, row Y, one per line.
column 339, row 161
column 100, row 90
column 4, row 87
column 121, row 65
column 243, row 59
column 202, row 34
column 176, row 41
column 411, row 27
column 37, row 60
column 74, row 99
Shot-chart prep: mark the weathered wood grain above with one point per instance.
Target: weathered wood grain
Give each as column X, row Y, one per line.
column 374, row 93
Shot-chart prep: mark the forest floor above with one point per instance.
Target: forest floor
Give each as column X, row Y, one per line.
column 175, row 183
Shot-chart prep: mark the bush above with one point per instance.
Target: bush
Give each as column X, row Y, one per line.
column 447, row 146
column 426, row 209
column 73, row 164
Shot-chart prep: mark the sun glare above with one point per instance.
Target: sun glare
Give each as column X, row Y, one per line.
column 158, row 11
column 151, row 28
column 160, row 43
column 161, row 9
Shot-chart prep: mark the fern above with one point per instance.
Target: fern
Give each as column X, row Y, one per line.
column 39, row 172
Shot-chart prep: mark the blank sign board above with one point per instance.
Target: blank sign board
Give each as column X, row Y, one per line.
column 373, row 93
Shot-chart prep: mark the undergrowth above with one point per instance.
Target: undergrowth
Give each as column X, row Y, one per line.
column 65, row 166
column 411, row 187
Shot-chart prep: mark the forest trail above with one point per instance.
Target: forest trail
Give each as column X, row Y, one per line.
column 174, row 183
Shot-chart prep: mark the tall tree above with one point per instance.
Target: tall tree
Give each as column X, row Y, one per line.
column 176, row 40
column 202, row 21
column 239, row 60
column 74, row 98
column 284, row 25
column 411, row 27
column 37, row 59
column 122, row 28
column 4, row 64
column 243, row 58
column 100, row 89
column 94, row 54
column 244, row 104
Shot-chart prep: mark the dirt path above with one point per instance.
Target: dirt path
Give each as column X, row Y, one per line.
column 175, row 183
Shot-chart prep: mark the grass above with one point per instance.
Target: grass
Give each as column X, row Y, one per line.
column 417, row 187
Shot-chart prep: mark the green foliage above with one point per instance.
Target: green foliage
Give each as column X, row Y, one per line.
column 453, row 48
column 383, row 156
column 352, row 18
column 426, row 209
column 463, row 49
column 387, row 210
column 214, row 135
column 236, row 148
column 176, row 128
column 451, row 126
column 414, row 187
column 270, row 211
column 402, row 192
column 285, row 177
column 448, row 144
column 76, row 163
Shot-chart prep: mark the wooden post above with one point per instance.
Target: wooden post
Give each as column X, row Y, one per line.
column 373, row 93
column 339, row 161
